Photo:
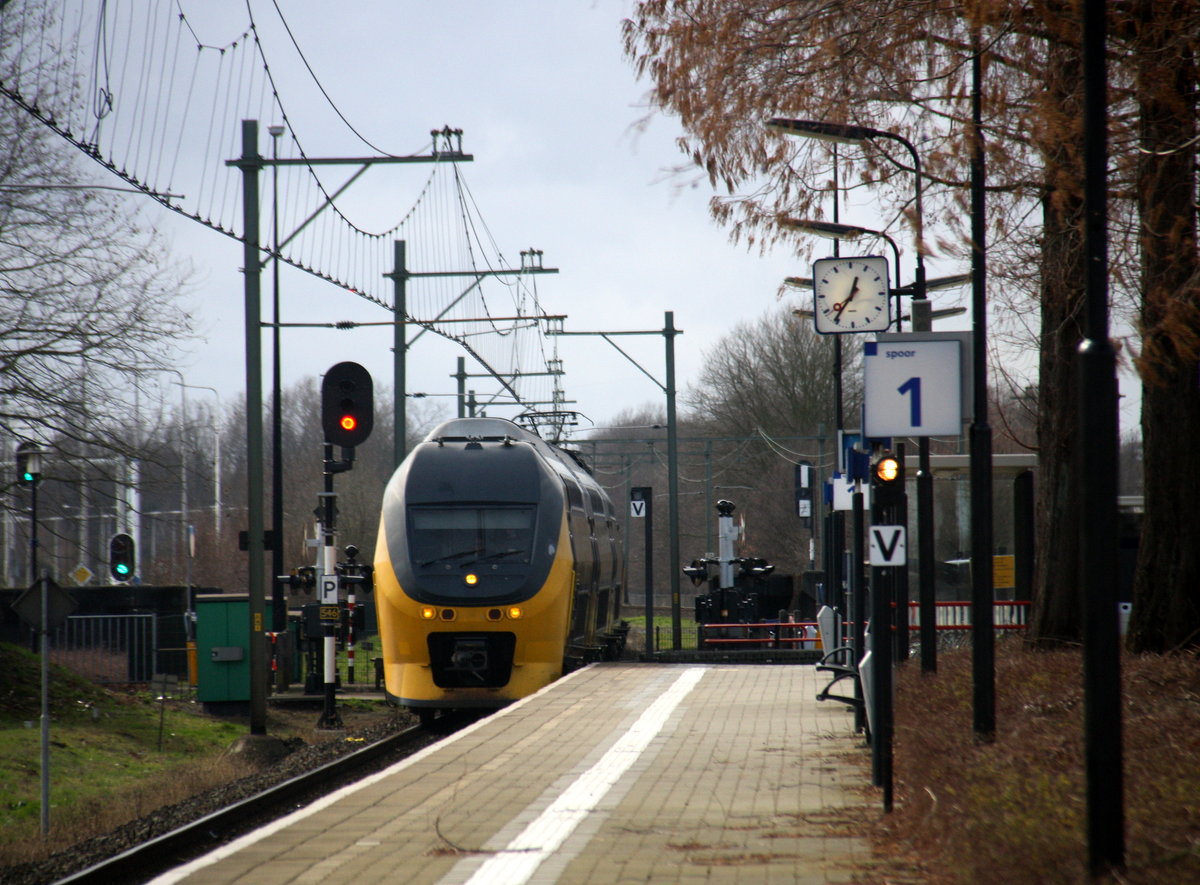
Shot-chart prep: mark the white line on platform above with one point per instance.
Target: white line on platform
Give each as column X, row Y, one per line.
column 182, row 872
column 516, row 864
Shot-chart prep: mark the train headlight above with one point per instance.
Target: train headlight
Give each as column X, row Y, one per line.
column 428, row 612
column 472, row 579
column 515, row 613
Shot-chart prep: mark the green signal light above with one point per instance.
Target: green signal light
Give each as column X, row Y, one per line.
column 121, row 568
column 27, row 476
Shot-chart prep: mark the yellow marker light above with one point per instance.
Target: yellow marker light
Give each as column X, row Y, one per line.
column 428, row 612
column 472, row 579
column 515, row 613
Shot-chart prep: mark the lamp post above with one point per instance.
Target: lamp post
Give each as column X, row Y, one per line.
column 216, row 429
column 183, row 483
column 183, row 507
column 1099, row 426
column 921, row 322
column 926, row 564
column 983, row 636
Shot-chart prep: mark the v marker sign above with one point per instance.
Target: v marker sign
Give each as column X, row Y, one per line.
column 889, row 545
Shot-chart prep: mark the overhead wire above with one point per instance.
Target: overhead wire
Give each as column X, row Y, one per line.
column 320, row 85
column 144, row 103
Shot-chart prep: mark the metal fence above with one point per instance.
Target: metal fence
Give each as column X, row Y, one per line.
column 109, row 648
column 1006, row 615
column 953, row 621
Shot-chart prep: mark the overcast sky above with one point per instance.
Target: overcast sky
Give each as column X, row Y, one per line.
column 549, row 108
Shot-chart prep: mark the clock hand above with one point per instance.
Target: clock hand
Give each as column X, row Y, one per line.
column 841, row 305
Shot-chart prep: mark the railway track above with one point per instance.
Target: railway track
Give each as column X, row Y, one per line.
column 156, row 855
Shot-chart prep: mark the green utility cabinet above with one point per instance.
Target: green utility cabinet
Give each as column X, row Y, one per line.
column 223, row 648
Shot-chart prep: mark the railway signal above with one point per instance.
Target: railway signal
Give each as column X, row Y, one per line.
column 887, row 482
column 347, row 405
column 29, row 463
column 122, row 559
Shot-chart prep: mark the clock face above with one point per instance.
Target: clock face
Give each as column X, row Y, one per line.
column 851, row 295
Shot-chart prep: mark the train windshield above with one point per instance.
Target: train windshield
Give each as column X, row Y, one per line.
column 464, row 535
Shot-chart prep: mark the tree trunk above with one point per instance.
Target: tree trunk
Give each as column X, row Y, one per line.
column 1166, row 610
column 1057, row 609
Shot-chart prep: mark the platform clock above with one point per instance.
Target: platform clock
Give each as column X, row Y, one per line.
column 851, row 295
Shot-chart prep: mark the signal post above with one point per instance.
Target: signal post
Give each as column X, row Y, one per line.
column 347, row 419
column 888, row 555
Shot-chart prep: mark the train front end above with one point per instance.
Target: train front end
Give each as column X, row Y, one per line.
column 473, row 574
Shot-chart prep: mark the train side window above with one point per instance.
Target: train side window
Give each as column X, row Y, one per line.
column 597, row 503
column 574, row 495
column 613, row 554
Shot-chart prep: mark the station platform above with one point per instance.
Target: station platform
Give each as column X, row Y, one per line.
column 618, row 773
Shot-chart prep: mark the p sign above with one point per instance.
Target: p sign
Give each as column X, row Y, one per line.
column 329, row 590
column 912, row 388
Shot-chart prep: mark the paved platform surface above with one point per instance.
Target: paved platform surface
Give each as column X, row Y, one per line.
column 619, row 773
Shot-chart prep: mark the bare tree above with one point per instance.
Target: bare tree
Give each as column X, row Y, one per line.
column 89, row 302
column 359, row 491
column 774, row 373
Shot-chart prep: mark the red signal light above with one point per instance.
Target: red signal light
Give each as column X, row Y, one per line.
column 347, row 410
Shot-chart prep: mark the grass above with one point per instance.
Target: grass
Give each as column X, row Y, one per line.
column 105, row 765
column 662, row 628
column 1014, row 810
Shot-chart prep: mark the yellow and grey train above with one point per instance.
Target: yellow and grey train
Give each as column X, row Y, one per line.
column 498, row 564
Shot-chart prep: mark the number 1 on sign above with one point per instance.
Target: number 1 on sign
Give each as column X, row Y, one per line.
column 913, row 386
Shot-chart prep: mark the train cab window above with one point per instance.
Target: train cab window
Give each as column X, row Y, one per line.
column 459, row 536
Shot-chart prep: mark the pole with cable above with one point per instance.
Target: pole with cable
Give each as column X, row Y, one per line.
column 278, row 604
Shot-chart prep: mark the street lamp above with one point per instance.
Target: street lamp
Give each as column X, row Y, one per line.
column 921, row 322
column 850, row 134
column 183, row 483
column 836, row 231
column 187, row 551
column 807, row 314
